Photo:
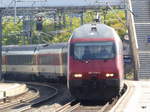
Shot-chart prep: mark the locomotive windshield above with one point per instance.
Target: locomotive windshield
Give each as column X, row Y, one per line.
column 93, row 51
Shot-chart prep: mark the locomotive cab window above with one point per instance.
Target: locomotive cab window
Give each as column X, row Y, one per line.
column 94, row 51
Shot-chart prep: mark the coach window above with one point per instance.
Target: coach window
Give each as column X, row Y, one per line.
column 20, row 59
column 29, row 60
column 50, row 59
column 10, row 59
column 44, row 60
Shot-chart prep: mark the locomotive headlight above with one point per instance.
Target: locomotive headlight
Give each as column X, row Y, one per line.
column 78, row 75
column 109, row 75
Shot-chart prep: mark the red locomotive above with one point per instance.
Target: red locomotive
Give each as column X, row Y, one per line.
column 95, row 62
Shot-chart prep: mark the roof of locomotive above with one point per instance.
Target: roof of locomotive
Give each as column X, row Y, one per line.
column 95, row 30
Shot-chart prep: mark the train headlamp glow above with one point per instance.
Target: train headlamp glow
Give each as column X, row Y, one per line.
column 78, row 75
column 109, row 75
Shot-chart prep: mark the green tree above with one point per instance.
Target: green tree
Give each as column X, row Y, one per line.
column 13, row 33
column 113, row 21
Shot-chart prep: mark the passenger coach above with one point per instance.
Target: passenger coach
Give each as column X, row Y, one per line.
column 35, row 62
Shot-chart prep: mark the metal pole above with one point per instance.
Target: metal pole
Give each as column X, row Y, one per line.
column 64, row 19
column 15, row 11
column 0, row 45
column 70, row 24
column 30, row 32
column 81, row 18
column 59, row 17
column 55, row 21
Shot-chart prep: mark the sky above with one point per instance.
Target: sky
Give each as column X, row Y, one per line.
column 55, row 3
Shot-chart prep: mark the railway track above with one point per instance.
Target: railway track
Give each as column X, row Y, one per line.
column 74, row 106
column 67, row 106
column 30, row 95
column 99, row 108
column 80, row 108
column 46, row 96
column 42, row 93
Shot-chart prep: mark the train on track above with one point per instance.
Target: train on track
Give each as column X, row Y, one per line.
column 91, row 62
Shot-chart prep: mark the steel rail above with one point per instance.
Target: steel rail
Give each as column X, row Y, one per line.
column 67, row 105
column 21, row 100
column 26, row 105
column 104, row 107
column 41, row 100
